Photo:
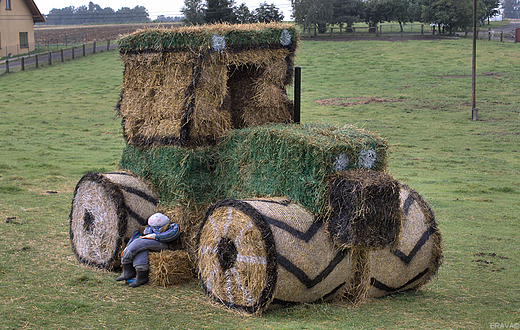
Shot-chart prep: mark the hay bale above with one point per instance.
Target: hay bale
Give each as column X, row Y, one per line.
column 187, row 86
column 363, row 210
column 254, row 254
column 106, row 210
column 270, row 160
column 169, row 267
column 417, row 256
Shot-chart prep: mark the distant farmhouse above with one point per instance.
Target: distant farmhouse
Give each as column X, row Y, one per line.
column 17, row 18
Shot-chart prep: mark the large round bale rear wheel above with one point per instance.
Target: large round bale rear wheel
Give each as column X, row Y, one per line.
column 106, row 210
column 236, row 257
column 417, row 256
column 255, row 254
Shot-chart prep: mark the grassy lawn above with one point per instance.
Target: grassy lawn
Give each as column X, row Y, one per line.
column 58, row 123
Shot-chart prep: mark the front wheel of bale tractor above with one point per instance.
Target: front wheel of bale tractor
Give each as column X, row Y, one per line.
column 106, row 210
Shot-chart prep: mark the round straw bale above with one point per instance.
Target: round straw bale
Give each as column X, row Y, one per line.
column 253, row 253
column 417, row 256
column 106, row 210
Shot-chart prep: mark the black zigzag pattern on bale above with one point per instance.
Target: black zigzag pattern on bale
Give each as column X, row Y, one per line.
column 431, row 233
column 388, row 289
column 364, row 209
column 289, row 242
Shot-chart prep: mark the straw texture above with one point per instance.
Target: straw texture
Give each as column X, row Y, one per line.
column 169, row 268
column 363, row 210
column 106, row 210
column 417, row 256
column 293, row 261
column 179, row 88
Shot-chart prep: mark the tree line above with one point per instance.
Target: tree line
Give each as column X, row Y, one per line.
column 511, row 8
column 451, row 15
column 212, row 11
column 94, row 14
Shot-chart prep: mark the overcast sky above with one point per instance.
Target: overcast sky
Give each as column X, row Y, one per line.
column 155, row 7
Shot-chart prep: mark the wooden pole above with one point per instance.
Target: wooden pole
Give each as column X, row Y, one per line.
column 474, row 110
column 297, row 93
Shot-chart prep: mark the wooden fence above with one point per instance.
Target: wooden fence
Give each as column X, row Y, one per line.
column 408, row 30
column 24, row 62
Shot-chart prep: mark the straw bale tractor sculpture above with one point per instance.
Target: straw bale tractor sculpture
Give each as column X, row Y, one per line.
column 272, row 212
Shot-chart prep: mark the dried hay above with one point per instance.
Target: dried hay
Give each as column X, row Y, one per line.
column 235, row 252
column 189, row 220
column 417, row 256
column 169, row 267
column 105, row 211
column 355, row 292
column 200, row 38
column 236, row 258
column 363, row 210
column 270, row 160
column 177, row 91
column 292, row 160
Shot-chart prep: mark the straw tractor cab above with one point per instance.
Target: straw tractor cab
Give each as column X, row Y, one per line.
column 271, row 212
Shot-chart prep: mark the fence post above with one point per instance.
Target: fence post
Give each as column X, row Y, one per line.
column 61, row 51
column 83, row 49
column 94, row 48
column 331, row 31
column 6, row 66
column 50, row 58
column 108, row 45
column 422, row 29
column 23, row 63
column 73, row 52
column 297, row 93
column 501, row 36
column 36, row 58
column 489, row 34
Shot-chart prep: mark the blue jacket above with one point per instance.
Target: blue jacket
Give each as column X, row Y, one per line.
column 169, row 235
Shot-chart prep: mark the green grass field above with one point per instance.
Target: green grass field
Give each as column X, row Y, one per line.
column 58, row 123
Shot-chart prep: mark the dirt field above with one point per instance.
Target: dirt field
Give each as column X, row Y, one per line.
column 89, row 33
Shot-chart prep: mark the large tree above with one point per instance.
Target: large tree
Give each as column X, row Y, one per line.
column 243, row 14
column 511, row 8
column 193, row 11
column 313, row 13
column 347, row 12
column 449, row 14
column 489, row 8
column 267, row 13
column 377, row 11
column 219, row 11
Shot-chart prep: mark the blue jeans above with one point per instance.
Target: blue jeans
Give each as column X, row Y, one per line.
column 137, row 252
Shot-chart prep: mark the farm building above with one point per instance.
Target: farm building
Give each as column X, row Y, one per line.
column 17, row 18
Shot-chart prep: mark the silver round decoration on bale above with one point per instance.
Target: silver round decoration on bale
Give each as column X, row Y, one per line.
column 255, row 254
column 367, row 158
column 218, row 43
column 417, row 256
column 106, row 210
column 285, row 38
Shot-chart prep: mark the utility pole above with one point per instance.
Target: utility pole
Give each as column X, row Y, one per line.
column 474, row 110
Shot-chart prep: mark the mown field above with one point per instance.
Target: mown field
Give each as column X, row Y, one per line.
column 58, row 123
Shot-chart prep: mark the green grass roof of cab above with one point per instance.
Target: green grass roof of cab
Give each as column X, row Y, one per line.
column 205, row 37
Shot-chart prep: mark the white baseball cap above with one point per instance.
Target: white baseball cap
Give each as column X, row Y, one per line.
column 158, row 220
